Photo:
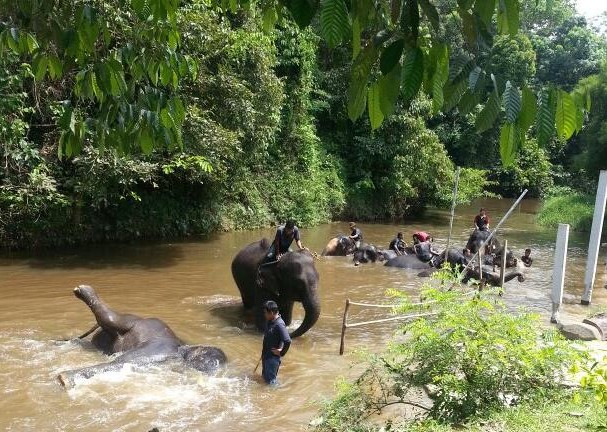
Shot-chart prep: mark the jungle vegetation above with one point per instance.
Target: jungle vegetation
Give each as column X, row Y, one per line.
column 163, row 118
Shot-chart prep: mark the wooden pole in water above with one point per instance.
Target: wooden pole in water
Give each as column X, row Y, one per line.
column 558, row 273
column 595, row 237
column 344, row 325
column 480, row 265
column 503, row 266
column 453, row 201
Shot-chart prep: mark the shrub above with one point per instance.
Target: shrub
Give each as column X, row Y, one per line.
column 574, row 208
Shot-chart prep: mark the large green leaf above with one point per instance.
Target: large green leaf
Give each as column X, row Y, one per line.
column 486, row 118
column 391, row 56
column 484, row 9
column 546, row 116
column 509, row 137
column 389, row 89
column 528, row 111
column 357, row 90
column 409, row 20
column 356, row 32
column 508, row 17
column 413, row 73
column 566, row 116
column 302, row 10
column 453, row 93
column 440, row 77
column 468, row 102
column 374, row 104
column 473, row 77
column 334, row 21
column 512, row 102
column 431, row 13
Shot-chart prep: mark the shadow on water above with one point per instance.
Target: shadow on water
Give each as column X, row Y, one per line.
column 146, row 256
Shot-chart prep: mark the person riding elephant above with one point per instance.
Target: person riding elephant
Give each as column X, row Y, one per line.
column 340, row 245
column 285, row 235
column 139, row 340
column 481, row 221
column 356, row 235
column 398, row 245
column 292, row 278
column 422, row 245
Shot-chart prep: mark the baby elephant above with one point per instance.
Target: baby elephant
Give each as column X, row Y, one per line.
column 140, row 340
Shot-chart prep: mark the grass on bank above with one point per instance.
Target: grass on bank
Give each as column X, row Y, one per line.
column 574, row 208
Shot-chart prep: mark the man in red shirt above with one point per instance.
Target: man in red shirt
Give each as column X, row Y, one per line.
column 481, row 221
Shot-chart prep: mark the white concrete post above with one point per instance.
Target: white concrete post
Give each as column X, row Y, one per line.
column 558, row 272
column 595, row 237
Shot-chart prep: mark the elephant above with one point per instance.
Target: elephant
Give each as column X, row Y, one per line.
column 411, row 262
column 490, row 278
column 369, row 253
column 290, row 279
column 341, row 245
column 140, row 340
column 493, row 250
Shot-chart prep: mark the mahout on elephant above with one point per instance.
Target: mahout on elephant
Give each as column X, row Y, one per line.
column 291, row 279
column 139, row 340
column 341, row 245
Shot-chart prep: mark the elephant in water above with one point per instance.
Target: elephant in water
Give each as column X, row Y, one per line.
column 493, row 250
column 292, row 278
column 140, row 340
column 368, row 253
column 341, row 245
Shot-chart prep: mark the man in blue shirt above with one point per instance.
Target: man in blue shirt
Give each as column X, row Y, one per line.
column 276, row 342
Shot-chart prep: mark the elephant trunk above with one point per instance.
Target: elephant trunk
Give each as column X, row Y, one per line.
column 513, row 275
column 311, row 307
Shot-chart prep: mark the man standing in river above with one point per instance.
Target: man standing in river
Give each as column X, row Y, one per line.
column 276, row 342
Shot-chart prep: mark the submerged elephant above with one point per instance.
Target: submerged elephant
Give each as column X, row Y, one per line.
column 490, row 278
column 292, row 278
column 341, row 245
column 140, row 340
column 411, row 262
column 369, row 253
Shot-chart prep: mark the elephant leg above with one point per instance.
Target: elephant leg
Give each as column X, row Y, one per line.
column 286, row 311
column 111, row 321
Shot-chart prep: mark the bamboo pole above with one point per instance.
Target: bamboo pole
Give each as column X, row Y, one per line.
column 452, row 211
column 503, row 266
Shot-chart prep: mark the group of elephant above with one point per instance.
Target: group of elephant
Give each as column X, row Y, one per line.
column 291, row 279
column 411, row 258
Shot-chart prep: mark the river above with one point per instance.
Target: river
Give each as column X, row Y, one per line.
column 189, row 285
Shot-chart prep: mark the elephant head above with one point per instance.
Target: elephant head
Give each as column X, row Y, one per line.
column 366, row 253
column 293, row 278
column 203, row 358
column 477, row 238
column 340, row 245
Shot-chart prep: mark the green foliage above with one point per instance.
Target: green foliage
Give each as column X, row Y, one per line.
column 575, row 209
column 473, row 357
column 122, row 66
column 594, row 381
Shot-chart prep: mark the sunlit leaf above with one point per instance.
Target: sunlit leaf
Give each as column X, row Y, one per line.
column 357, row 89
column 566, row 121
column 373, row 102
column 512, row 102
column 334, row 25
column 509, row 137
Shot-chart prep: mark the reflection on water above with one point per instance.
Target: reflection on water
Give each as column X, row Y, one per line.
column 189, row 286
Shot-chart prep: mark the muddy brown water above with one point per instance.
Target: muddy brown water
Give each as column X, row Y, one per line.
column 189, row 286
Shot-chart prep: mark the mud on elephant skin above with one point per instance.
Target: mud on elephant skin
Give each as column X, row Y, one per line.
column 140, row 340
column 291, row 279
column 340, row 245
